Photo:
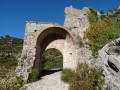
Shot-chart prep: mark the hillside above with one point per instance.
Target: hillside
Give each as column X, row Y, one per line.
column 10, row 49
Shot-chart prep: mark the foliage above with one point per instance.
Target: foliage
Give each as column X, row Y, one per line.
column 52, row 59
column 87, row 78
column 33, row 76
column 101, row 12
column 10, row 47
column 84, row 78
column 67, row 75
column 11, row 84
column 102, row 32
column 92, row 16
column 6, row 71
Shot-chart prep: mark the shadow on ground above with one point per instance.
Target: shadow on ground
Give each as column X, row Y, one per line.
column 48, row 72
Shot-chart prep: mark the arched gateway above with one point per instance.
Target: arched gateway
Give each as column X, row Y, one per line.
column 51, row 37
column 42, row 36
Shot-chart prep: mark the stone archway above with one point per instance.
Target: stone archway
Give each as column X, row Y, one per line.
column 42, row 36
column 53, row 37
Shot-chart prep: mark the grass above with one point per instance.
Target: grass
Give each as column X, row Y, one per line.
column 33, row 76
column 67, row 75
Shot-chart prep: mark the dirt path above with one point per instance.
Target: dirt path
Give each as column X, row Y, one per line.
column 48, row 82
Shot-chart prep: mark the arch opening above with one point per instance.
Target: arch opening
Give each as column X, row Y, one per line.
column 54, row 36
column 52, row 61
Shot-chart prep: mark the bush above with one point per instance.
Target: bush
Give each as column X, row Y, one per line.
column 33, row 76
column 102, row 32
column 92, row 16
column 67, row 75
column 11, row 84
column 87, row 78
column 84, row 78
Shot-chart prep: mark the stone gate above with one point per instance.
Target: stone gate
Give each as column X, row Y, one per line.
column 42, row 36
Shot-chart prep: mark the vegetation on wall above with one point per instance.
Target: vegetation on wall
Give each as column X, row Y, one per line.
column 102, row 32
column 84, row 78
column 92, row 16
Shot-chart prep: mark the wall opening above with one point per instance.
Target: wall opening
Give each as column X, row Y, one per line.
column 47, row 38
column 52, row 61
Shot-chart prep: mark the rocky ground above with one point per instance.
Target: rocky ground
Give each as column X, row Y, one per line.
column 48, row 82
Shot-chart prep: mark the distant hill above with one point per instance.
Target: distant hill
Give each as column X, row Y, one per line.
column 10, row 49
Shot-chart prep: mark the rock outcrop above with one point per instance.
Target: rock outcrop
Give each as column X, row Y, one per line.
column 109, row 60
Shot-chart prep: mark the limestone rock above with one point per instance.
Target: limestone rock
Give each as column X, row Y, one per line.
column 109, row 60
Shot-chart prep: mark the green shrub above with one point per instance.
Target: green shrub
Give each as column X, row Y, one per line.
column 87, row 78
column 33, row 76
column 92, row 16
column 11, row 84
column 67, row 75
column 84, row 78
column 101, row 33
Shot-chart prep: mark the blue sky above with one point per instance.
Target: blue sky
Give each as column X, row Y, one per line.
column 15, row 13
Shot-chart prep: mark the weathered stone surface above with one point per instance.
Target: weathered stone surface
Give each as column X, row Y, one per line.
column 109, row 60
column 76, row 20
